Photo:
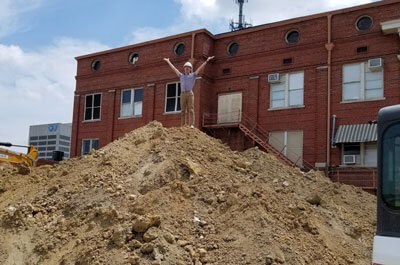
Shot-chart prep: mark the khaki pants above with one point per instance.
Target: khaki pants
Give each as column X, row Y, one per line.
column 187, row 99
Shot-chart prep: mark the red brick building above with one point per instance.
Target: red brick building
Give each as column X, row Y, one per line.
column 307, row 87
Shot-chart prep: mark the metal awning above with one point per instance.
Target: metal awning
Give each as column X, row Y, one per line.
column 356, row 133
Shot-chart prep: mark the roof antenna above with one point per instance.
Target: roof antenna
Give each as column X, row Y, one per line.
column 242, row 24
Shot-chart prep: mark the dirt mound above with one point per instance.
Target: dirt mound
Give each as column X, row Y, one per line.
column 175, row 197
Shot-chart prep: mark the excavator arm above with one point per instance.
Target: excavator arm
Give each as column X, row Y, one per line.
column 9, row 156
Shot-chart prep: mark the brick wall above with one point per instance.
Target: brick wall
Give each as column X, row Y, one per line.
column 261, row 52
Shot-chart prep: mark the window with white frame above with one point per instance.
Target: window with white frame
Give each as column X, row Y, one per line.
column 370, row 154
column 89, row 144
column 131, row 102
column 289, row 143
column 173, row 97
column 92, row 107
column 362, row 83
column 289, row 92
column 359, row 154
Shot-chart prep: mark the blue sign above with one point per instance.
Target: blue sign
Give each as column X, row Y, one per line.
column 53, row 127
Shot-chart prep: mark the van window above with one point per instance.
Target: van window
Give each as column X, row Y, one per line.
column 391, row 166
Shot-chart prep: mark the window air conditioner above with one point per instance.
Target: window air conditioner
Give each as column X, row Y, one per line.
column 375, row 64
column 274, row 78
column 349, row 159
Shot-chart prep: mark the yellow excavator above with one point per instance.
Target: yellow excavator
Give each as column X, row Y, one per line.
column 9, row 156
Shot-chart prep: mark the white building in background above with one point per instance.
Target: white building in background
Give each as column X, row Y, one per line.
column 48, row 138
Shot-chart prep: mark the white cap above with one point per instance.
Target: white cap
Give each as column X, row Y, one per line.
column 188, row 64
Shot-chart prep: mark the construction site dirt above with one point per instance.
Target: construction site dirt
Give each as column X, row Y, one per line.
column 177, row 196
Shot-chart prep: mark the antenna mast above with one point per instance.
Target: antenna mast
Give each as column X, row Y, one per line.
column 242, row 24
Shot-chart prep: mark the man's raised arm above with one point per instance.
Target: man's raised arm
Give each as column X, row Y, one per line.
column 172, row 67
column 204, row 64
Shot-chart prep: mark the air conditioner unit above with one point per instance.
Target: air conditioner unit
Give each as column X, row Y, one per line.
column 375, row 64
column 349, row 159
column 274, row 78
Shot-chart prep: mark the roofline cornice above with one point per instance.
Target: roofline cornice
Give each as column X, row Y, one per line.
column 245, row 31
column 186, row 34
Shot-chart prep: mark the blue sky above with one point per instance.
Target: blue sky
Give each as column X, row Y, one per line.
column 105, row 21
column 40, row 38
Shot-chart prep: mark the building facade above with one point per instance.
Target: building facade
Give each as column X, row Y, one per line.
column 48, row 138
column 308, row 87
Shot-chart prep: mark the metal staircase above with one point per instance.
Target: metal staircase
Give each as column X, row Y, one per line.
column 266, row 146
column 259, row 135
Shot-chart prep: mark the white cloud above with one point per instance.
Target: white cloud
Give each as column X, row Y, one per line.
column 215, row 15
column 11, row 13
column 151, row 33
column 204, row 10
column 259, row 11
column 37, row 87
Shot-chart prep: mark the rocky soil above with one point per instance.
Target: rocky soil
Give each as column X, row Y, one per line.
column 175, row 197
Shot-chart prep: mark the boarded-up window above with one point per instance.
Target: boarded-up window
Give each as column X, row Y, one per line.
column 230, row 108
column 289, row 143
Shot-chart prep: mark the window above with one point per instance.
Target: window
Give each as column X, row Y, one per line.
column 365, row 154
column 63, row 149
column 173, row 97
column 289, row 143
column 92, row 107
column 33, row 143
column 287, row 61
column 362, row 49
column 133, row 58
column 292, row 36
column 42, row 149
column 391, row 166
column 226, row 71
column 43, row 137
column 34, row 138
column 51, row 142
column 364, row 23
column 370, row 154
column 42, row 154
column 42, row 143
column 288, row 92
column 64, row 143
column 89, row 144
column 131, row 102
column 233, row 48
column 65, row 137
column 179, row 48
column 51, row 148
column 352, row 150
column 52, row 136
column 96, row 65
column 360, row 83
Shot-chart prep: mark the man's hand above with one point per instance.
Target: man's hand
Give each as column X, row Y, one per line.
column 210, row 58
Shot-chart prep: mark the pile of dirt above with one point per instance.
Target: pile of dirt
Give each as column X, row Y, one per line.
column 175, row 197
